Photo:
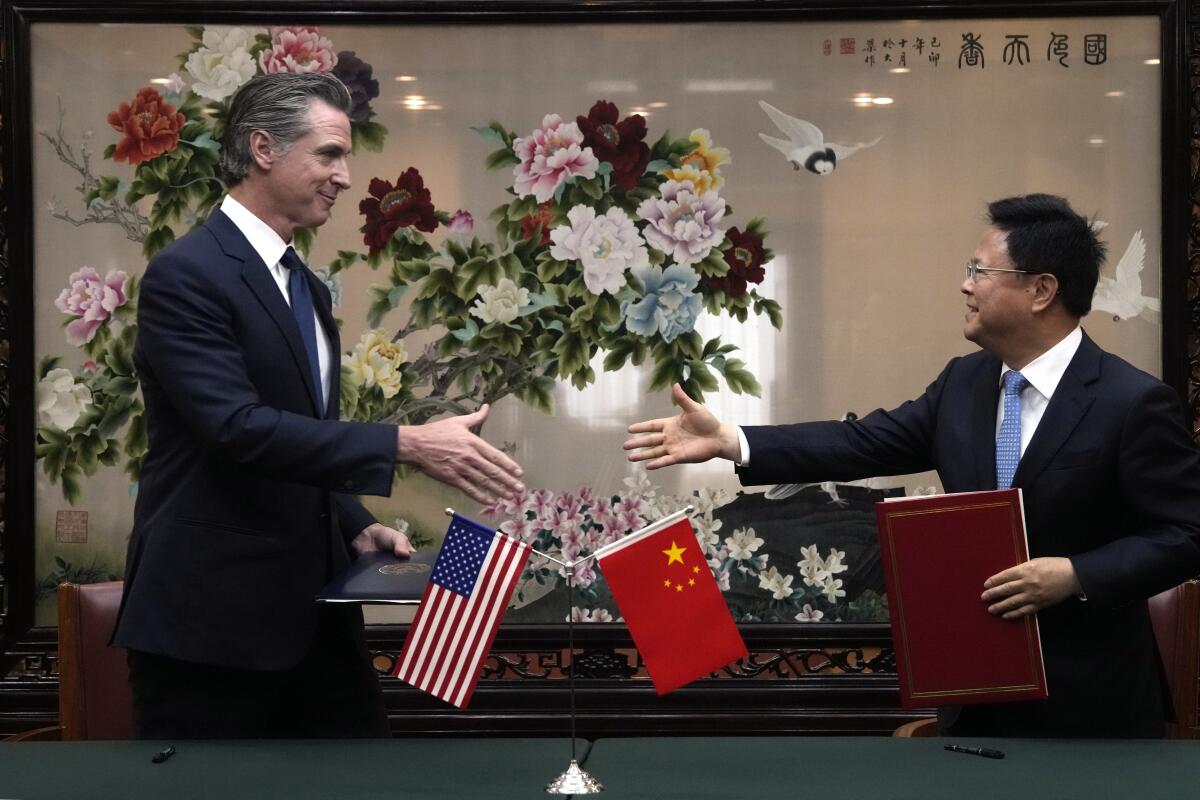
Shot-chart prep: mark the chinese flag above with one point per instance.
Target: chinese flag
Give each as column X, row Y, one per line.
column 670, row 601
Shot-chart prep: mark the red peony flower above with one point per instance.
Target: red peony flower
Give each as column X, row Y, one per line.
column 618, row 143
column 745, row 259
column 405, row 205
column 151, row 127
column 542, row 217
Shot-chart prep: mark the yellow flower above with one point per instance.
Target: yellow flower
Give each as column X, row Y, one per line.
column 701, row 180
column 706, row 157
column 376, row 361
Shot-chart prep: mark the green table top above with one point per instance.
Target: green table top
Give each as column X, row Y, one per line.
column 896, row 769
column 654, row 769
column 375, row 769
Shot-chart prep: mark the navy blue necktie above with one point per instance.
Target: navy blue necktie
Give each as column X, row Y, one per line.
column 302, row 310
column 1008, row 441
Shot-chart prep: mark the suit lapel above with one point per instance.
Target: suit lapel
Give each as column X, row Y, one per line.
column 258, row 277
column 1068, row 405
column 984, row 399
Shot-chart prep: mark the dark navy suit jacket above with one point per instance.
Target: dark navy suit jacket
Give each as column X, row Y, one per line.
column 244, row 505
column 1111, row 480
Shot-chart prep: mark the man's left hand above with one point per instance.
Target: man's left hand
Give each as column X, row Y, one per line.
column 1029, row 587
column 377, row 536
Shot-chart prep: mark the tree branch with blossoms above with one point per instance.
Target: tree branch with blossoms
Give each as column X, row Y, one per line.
column 99, row 194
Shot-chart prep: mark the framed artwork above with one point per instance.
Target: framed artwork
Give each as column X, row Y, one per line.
column 560, row 209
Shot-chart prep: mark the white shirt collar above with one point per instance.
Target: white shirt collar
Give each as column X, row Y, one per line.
column 262, row 238
column 1045, row 371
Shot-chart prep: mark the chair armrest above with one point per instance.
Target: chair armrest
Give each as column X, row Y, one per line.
column 52, row 733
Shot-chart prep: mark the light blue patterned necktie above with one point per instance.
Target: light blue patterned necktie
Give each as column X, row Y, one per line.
column 1008, row 441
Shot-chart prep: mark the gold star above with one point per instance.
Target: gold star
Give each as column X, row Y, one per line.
column 691, row 581
column 678, row 588
column 667, row 583
column 695, row 569
column 675, row 553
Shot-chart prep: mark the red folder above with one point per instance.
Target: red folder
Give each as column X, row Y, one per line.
column 937, row 552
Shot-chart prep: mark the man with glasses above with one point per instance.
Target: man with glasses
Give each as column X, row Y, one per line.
column 1110, row 475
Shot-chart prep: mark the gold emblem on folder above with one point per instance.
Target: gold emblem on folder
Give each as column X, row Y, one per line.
column 406, row 568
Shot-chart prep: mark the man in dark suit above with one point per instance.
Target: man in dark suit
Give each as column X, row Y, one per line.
column 1110, row 476
column 245, row 503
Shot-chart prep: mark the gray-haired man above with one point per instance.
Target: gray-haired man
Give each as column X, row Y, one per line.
column 245, row 504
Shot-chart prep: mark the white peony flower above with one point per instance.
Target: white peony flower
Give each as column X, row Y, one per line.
column 500, row 303
column 223, row 63
column 376, row 361
column 780, row 586
column 606, row 246
column 743, row 543
column 60, row 400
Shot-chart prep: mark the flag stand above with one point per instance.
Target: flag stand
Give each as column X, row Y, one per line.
column 574, row 780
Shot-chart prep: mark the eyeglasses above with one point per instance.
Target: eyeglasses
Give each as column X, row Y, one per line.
column 974, row 269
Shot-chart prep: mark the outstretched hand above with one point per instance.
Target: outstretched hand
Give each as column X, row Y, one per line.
column 693, row 436
column 448, row 451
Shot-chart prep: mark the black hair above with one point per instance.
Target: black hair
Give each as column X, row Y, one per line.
column 1044, row 234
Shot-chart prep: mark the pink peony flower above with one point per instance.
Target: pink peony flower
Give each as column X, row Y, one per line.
column 91, row 300
column 549, row 156
column 683, row 224
column 297, row 49
column 461, row 224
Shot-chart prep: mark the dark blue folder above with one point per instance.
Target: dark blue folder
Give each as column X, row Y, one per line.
column 381, row 578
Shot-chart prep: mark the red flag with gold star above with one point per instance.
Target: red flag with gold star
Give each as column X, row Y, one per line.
column 671, row 603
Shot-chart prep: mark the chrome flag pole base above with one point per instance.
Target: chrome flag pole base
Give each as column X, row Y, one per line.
column 574, row 781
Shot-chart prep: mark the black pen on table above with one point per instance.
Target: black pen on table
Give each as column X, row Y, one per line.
column 986, row 752
column 164, row 754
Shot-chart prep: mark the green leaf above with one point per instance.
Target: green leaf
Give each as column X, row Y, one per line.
column 367, row 136
column 110, row 151
column 205, row 142
column 438, row 280
column 136, row 439
column 501, row 158
column 572, row 352
column 690, row 344
column 618, row 354
column 702, row 378
column 467, row 332
column 495, row 133
column 156, row 240
column 302, row 240
column 658, row 165
column 666, row 372
column 456, row 251
column 539, row 394
column 774, row 312
column 740, row 379
column 476, row 272
column 70, row 484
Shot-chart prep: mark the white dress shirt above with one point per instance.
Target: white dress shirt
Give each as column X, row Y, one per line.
column 1043, row 374
column 270, row 248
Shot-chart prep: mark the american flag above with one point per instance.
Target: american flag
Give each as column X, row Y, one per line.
column 460, row 612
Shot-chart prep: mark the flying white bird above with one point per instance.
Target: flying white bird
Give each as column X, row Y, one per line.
column 805, row 146
column 1123, row 297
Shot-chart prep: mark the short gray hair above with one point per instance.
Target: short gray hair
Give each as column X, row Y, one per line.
column 278, row 105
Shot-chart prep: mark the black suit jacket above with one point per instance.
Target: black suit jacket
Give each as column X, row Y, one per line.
column 244, row 506
column 1111, row 480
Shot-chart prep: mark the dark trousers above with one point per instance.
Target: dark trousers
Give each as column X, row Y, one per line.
column 332, row 693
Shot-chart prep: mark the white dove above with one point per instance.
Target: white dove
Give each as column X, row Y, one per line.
column 805, row 146
column 1123, row 297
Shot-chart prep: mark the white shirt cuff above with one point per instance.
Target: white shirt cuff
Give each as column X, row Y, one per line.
column 744, row 461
